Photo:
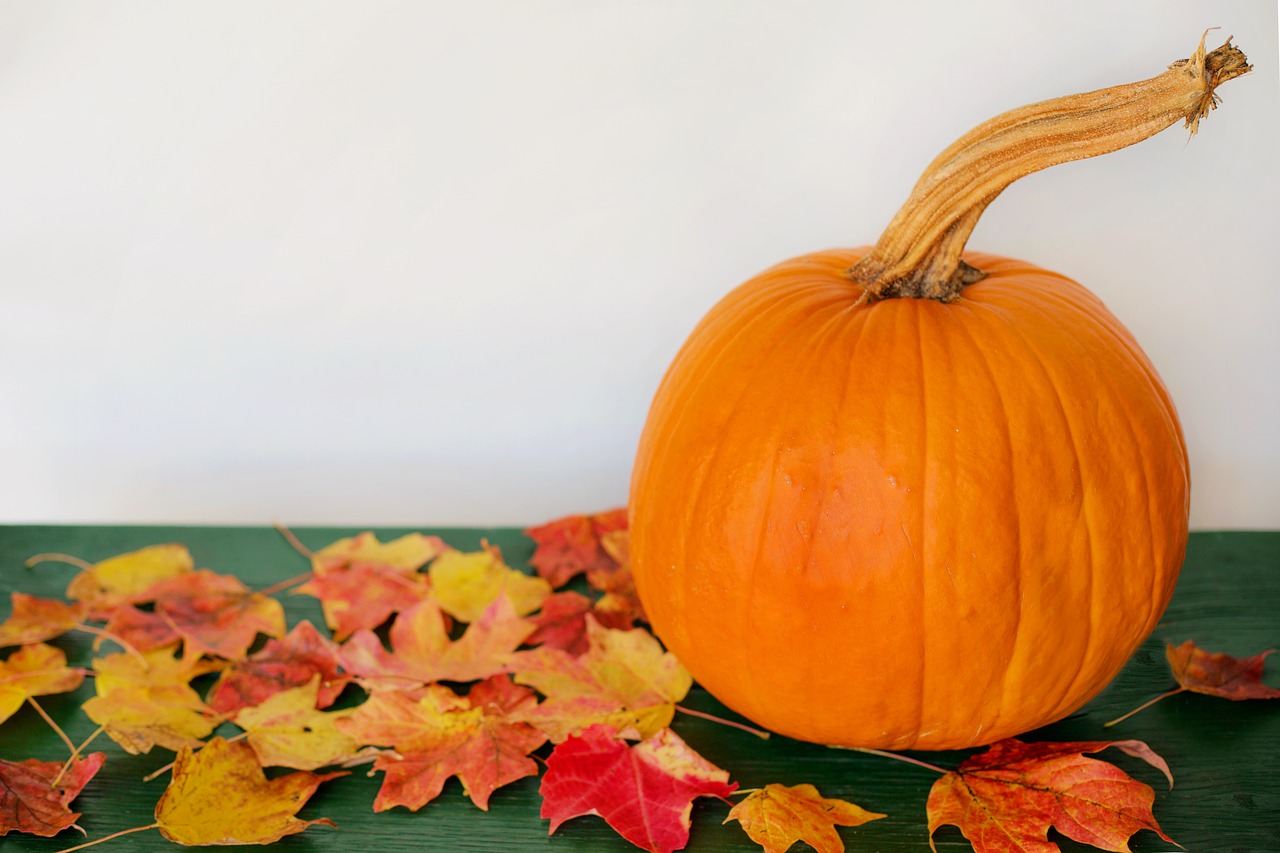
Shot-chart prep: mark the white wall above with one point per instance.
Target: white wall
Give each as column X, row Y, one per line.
column 424, row 262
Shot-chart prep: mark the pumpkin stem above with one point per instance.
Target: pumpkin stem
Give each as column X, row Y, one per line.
column 919, row 253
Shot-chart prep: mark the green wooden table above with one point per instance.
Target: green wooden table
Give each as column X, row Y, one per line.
column 1224, row 755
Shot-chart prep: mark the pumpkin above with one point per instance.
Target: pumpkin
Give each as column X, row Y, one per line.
column 911, row 496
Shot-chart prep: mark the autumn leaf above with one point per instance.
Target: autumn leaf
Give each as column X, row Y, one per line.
column 34, row 670
column 1005, row 799
column 216, row 614
column 144, row 630
column 1216, row 674
column 280, row 665
column 562, row 623
column 31, row 802
column 147, row 703
column 439, row 735
column 422, row 651
column 571, row 545
column 364, row 596
column 220, row 795
column 34, row 620
column 287, row 730
column 644, row 791
column 121, row 579
column 625, row 680
column 778, row 816
column 465, row 584
column 405, row 555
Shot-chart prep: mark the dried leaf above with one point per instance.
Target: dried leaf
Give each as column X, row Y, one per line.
column 778, row 816
column 1005, row 799
column 280, row 665
column 571, row 545
column 216, row 614
column 220, row 795
column 30, row 802
column 34, row 670
column 644, row 791
column 364, row 596
column 122, row 579
column 139, row 721
column 435, row 738
column 562, row 623
column 287, row 730
column 625, row 680
column 34, row 620
column 465, row 584
column 405, row 555
column 1217, row 674
column 422, row 651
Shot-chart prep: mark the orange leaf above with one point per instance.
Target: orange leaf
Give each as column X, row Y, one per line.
column 423, row 652
column 777, row 816
column 34, row 670
column 364, row 596
column 216, row 614
column 1218, row 674
column 121, row 579
column 1005, row 799
column 34, row 620
column 571, row 545
column 30, row 801
column 220, row 795
column 645, row 791
column 438, row 736
column 405, row 555
column 562, row 623
column 280, row 665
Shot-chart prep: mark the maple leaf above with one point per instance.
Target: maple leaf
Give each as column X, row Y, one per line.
column 777, row 816
column 220, row 795
column 216, row 614
column 280, row 665
column 625, row 680
column 1216, row 674
column 562, row 623
column 1005, row 799
column 464, row 584
column 364, row 596
column 405, row 555
column 36, row 669
column 287, row 730
column 569, row 546
column 121, row 579
column 30, row 802
column 644, row 791
column 439, row 735
column 34, row 620
column 144, row 630
column 422, row 651
column 146, row 703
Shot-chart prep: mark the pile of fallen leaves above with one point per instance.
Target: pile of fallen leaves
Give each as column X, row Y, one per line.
column 461, row 666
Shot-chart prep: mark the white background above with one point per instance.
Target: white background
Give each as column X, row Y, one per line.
column 424, row 263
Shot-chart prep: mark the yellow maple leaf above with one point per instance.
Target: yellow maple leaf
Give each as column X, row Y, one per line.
column 159, row 673
column 37, row 669
column 407, row 554
column 220, row 796
column 138, row 721
column 465, row 584
column 777, row 816
column 287, row 730
column 123, row 577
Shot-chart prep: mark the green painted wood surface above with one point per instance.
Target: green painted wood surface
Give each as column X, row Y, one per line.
column 1225, row 755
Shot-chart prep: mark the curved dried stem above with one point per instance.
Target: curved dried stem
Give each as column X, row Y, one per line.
column 1144, row 706
column 58, row 558
column 110, row 837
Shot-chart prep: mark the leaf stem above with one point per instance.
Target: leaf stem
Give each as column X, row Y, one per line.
column 75, row 755
column 118, row 640
column 760, row 733
column 897, row 756
column 110, row 837
column 58, row 558
column 285, row 584
column 57, row 728
column 1144, row 706
column 293, row 540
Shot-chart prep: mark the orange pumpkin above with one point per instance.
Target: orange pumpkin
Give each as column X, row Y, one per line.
column 896, row 498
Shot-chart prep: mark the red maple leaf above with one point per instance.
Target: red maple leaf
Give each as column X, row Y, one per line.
column 571, row 545
column 422, row 651
column 216, row 614
column 1005, row 799
column 562, row 623
column 31, row 803
column 1216, row 674
column 34, row 620
column 364, row 595
column 644, row 791
column 281, row 665
column 143, row 629
column 439, row 735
